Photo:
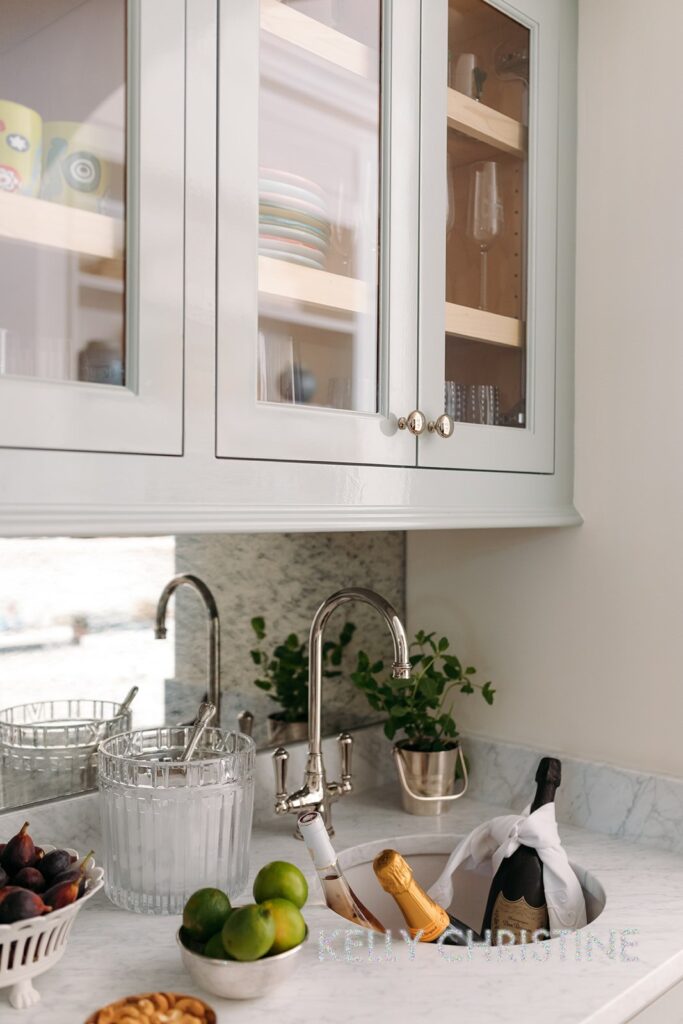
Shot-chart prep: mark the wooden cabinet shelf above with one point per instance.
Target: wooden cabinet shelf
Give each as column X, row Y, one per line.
column 26, row 219
column 480, row 325
column 298, row 29
column 282, row 280
column 477, row 121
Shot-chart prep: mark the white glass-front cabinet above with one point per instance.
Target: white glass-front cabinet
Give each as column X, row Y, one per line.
column 91, row 225
column 488, row 233
column 387, row 232
column 321, row 250
column 318, row 198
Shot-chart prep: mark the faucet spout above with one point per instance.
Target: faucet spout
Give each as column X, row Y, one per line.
column 401, row 668
column 214, row 663
column 317, row 793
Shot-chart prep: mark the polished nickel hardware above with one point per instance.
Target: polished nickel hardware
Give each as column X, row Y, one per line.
column 442, row 426
column 415, row 422
column 214, row 667
column 317, row 793
column 245, row 721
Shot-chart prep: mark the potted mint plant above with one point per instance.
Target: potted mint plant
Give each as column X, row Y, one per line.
column 283, row 674
column 420, row 711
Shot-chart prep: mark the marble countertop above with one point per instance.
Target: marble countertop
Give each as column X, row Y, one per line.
column 112, row 953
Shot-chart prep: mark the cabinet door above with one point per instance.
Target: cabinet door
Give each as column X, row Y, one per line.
column 488, row 233
column 91, row 225
column 318, row 229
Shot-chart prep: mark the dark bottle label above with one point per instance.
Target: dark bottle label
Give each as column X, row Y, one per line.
column 516, row 916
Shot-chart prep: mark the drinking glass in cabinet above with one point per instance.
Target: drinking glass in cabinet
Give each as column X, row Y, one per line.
column 484, row 216
column 62, row 190
column 319, row 201
column 486, row 248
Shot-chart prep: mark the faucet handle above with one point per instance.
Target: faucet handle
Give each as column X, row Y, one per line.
column 345, row 750
column 245, row 721
column 280, row 758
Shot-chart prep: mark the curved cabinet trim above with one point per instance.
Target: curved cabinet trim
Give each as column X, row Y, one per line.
column 22, row 520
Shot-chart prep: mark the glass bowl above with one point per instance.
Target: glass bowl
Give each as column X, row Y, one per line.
column 49, row 748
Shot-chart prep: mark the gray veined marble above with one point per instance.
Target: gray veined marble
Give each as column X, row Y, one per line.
column 112, row 953
column 601, row 797
column 283, row 577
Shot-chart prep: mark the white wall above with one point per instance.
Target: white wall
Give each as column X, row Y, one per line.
column 582, row 629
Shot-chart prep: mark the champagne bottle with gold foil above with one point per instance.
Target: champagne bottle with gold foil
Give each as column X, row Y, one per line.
column 420, row 911
column 516, row 900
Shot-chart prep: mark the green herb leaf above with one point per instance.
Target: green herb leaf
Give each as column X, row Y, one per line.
column 258, row 624
column 390, row 728
column 487, row 692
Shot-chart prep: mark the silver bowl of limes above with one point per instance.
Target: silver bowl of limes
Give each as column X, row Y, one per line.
column 246, row 951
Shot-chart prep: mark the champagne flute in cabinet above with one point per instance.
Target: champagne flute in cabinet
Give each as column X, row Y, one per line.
column 484, row 216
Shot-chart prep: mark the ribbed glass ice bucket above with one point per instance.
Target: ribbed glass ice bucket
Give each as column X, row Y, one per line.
column 171, row 827
column 49, row 748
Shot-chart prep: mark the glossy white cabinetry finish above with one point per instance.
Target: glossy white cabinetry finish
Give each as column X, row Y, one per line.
column 665, row 1010
column 145, row 415
column 335, row 98
column 307, row 472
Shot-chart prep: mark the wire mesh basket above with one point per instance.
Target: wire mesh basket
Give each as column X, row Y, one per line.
column 49, row 748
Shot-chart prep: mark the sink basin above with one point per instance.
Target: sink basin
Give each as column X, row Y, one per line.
column 427, row 856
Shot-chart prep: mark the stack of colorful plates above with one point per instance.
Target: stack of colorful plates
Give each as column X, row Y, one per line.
column 293, row 219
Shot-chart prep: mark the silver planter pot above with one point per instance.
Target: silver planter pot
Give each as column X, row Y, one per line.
column 280, row 732
column 428, row 779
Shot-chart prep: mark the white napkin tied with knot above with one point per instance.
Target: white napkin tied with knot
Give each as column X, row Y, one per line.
column 499, row 838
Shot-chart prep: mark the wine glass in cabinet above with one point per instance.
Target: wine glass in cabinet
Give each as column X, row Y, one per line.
column 487, row 286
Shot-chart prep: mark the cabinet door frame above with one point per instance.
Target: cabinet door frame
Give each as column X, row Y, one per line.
column 246, row 428
column 473, row 446
column 145, row 416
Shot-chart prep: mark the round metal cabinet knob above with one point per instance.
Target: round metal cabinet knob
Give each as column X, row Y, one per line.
column 442, row 426
column 415, row 422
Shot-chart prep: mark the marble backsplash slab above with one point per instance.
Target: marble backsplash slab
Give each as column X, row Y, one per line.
column 602, row 798
column 284, row 577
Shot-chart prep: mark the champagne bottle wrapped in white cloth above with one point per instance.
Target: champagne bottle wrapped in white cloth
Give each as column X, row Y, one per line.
column 499, row 838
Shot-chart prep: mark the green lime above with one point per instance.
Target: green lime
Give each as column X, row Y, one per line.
column 281, row 879
column 215, row 948
column 290, row 927
column 190, row 943
column 205, row 913
column 249, row 932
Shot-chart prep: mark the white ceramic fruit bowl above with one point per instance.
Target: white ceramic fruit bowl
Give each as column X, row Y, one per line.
column 235, row 979
column 29, row 948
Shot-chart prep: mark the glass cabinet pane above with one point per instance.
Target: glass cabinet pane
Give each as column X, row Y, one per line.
column 319, row 203
column 62, row 190
column 486, row 216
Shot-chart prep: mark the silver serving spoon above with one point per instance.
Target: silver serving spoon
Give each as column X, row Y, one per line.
column 205, row 713
column 130, row 697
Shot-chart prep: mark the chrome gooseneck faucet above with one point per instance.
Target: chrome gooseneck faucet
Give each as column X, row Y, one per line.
column 214, row 672
column 316, row 793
